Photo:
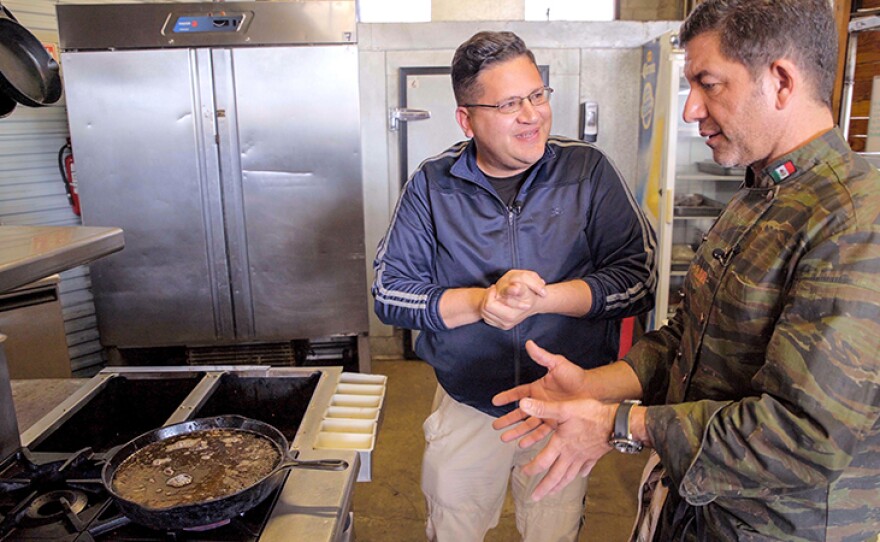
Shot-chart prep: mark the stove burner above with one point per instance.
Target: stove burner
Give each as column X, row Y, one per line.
column 54, row 504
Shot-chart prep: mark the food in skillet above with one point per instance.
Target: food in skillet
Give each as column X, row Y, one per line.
column 195, row 467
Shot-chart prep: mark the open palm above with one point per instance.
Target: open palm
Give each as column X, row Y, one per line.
column 564, row 381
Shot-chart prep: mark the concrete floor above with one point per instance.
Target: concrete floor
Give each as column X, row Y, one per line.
column 391, row 508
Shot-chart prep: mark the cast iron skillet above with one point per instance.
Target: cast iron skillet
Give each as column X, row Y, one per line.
column 213, row 509
column 28, row 73
column 7, row 104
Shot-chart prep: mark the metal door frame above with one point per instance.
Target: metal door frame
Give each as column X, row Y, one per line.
column 403, row 138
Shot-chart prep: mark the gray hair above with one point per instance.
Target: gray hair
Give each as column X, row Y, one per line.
column 755, row 33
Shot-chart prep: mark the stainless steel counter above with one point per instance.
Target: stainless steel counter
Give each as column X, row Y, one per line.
column 34, row 398
column 29, row 253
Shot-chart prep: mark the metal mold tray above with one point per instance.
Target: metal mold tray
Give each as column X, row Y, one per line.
column 710, row 167
column 696, row 205
column 352, row 420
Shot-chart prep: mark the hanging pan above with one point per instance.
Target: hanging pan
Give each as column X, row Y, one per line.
column 28, row 73
column 7, row 105
column 200, row 472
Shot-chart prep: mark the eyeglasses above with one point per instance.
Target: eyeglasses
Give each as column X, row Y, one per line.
column 514, row 105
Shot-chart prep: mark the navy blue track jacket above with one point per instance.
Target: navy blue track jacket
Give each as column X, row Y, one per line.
column 574, row 217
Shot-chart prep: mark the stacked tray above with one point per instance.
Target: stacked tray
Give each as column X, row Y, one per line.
column 712, row 168
column 696, row 205
column 351, row 421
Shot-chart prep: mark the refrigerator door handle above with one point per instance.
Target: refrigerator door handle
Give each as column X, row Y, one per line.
column 405, row 114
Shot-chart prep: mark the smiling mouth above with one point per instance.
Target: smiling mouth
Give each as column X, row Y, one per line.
column 531, row 134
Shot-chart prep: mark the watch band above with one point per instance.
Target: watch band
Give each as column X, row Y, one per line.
column 621, row 437
column 621, row 419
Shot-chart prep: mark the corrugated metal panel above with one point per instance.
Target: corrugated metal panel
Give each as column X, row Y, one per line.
column 32, row 191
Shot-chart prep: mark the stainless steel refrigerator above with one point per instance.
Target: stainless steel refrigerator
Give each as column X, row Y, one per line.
column 224, row 139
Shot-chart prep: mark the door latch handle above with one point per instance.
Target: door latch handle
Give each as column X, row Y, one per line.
column 405, row 114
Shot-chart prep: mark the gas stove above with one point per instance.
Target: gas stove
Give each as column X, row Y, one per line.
column 50, row 489
column 62, row 499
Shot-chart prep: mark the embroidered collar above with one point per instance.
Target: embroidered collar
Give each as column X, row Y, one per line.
column 804, row 158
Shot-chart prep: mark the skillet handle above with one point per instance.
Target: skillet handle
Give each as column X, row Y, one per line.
column 321, row 464
column 4, row 12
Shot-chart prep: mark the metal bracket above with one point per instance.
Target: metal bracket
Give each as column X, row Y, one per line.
column 864, row 23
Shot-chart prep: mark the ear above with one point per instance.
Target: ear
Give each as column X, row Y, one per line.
column 463, row 116
column 786, row 80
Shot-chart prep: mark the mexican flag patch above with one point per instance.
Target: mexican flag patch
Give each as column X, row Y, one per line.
column 782, row 172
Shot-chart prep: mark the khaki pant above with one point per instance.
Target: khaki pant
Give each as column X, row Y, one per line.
column 465, row 472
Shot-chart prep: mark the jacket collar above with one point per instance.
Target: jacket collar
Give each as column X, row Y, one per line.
column 465, row 167
column 804, row 158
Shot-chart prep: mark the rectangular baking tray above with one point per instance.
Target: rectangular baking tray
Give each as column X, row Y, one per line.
column 708, row 166
column 709, row 208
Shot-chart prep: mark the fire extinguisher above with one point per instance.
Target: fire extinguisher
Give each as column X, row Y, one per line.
column 68, row 174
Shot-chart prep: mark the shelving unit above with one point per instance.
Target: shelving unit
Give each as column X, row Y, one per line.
column 708, row 177
column 862, row 22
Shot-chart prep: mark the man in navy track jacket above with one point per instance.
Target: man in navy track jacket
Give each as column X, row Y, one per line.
column 511, row 235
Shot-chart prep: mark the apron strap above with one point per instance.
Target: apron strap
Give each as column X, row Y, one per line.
column 652, row 496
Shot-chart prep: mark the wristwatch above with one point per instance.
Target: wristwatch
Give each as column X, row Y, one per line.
column 622, row 439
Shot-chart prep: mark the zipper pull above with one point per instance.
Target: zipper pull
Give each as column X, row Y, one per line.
column 516, row 208
column 513, row 211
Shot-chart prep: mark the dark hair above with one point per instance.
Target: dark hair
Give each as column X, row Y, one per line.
column 478, row 53
column 755, row 33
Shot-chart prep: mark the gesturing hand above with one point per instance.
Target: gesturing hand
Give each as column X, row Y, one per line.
column 564, row 381
column 519, row 286
column 579, row 441
column 512, row 299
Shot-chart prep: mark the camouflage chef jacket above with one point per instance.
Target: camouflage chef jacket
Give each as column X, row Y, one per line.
column 767, row 379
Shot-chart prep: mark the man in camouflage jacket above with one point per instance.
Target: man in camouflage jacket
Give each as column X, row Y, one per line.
column 762, row 394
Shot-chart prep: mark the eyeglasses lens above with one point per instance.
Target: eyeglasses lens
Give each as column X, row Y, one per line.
column 539, row 97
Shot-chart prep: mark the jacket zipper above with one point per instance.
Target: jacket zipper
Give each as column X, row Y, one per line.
column 513, row 212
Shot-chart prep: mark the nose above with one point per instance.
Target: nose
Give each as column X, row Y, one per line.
column 529, row 113
column 694, row 107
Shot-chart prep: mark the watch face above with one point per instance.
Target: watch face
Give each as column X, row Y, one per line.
column 626, row 446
